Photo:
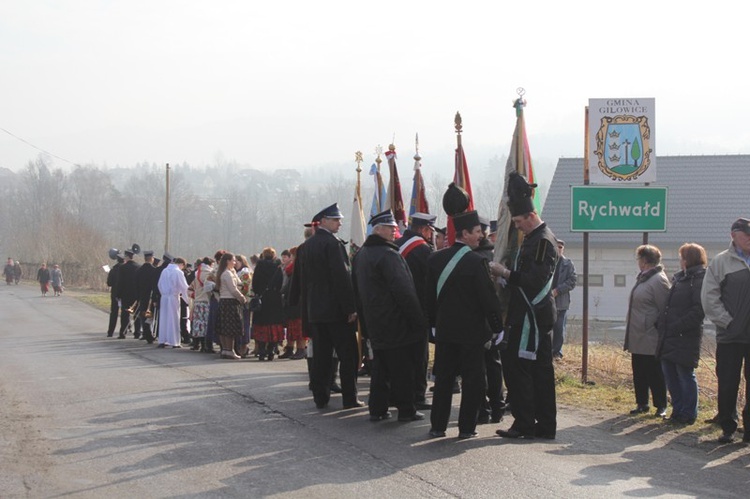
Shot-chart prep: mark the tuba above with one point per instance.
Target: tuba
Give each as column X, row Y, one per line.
column 135, row 249
column 114, row 253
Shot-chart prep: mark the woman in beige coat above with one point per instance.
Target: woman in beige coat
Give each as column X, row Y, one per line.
column 647, row 301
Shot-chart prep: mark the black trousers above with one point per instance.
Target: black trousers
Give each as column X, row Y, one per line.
column 729, row 359
column 531, row 385
column 494, row 402
column 327, row 337
column 125, row 320
column 184, row 332
column 392, row 379
column 420, row 371
column 451, row 360
column 648, row 375
column 114, row 312
column 145, row 326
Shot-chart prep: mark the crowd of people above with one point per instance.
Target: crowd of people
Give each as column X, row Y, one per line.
column 12, row 272
column 44, row 276
column 664, row 330
column 377, row 311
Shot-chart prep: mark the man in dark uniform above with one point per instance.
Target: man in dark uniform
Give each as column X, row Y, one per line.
column 493, row 404
column 386, row 305
column 415, row 246
column 329, row 309
column 461, row 302
column 145, row 280
column 127, row 292
column 114, row 308
column 527, row 361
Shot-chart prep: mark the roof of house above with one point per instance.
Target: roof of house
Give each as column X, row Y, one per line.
column 705, row 194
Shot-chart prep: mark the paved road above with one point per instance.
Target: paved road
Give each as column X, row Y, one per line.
column 86, row 416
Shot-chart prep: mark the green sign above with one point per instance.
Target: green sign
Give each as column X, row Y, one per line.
column 618, row 209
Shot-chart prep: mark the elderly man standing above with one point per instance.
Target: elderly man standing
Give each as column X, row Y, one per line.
column 330, row 310
column 391, row 319
column 173, row 287
column 415, row 246
column 726, row 302
column 562, row 284
column 527, row 361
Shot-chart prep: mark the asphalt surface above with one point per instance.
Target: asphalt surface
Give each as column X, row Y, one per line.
column 83, row 415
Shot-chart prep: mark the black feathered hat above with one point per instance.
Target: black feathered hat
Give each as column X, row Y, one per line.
column 455, row 200
column 520, row 194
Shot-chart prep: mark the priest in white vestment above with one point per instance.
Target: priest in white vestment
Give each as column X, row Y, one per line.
column 173, row 287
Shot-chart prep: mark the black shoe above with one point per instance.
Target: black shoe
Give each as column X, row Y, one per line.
column 639, row 410
column 417, row 416
column 363, row 372
column 121, row 337
column 465, row 435
column 321, row 405
column 436, row 434
column 109, row 335
column 380, row 417
column 354, row 405
column 483, row 418
column 661, row 412
column 727, row 438
column 545, row 435
column 288, row 352
column 422, row 406
column 335, row 388
column 513, row 433
column 161, row 345
column 136, row 336
column 496, row 418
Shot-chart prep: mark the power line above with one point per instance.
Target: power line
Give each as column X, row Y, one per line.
column 38, row 148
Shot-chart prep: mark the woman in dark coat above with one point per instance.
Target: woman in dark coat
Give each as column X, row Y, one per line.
column 681, row 333
column 268, row 322
column 43, row 277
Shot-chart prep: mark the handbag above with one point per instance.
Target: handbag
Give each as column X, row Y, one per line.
column 255, row 303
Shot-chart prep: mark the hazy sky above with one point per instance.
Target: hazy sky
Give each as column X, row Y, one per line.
column 296, row 84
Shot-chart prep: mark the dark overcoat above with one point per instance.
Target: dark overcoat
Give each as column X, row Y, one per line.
column 681, row 325
column 387, row 304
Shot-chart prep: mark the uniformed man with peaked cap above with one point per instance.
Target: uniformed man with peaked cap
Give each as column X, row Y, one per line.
column 330, row 309
column 391, row 319
column 415, row 245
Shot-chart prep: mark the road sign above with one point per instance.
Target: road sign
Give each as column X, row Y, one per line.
column 618, row 209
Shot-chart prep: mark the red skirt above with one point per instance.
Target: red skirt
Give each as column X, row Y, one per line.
column 294, row 330
column 268, row 333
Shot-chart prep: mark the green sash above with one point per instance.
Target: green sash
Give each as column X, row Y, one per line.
column 445, row 274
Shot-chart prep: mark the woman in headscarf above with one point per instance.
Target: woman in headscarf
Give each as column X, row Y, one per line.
column 202, row 287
